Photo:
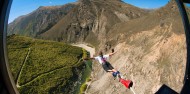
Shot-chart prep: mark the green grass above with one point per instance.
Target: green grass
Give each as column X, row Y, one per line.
column 84, row 85
column 49, row 67
column 16, row 58
column 86, row 77
column 83, row 88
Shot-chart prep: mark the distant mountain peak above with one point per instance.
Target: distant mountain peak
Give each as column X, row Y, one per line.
column 100, row 0
column 79, row 20
column 48, row 7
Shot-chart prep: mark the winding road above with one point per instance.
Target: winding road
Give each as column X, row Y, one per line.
column 88, row 48
column 20, row 71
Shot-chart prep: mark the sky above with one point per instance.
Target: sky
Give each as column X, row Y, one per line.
column 23, row 7
column 148, row 4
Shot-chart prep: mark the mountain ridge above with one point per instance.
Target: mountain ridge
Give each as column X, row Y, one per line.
column 92, row 20
column 150, row 45
column 34, row 22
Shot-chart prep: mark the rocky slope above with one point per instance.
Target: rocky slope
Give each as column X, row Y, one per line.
column 83, row 21
column 151, row 51
column 92, row 19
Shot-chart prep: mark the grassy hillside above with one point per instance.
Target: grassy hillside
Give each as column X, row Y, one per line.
column 40, row 66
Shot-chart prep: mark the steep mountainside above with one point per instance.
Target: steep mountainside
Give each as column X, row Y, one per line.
column 39, row 21
column 151, row 51
column 82, row 21
column 92, row 19
column 165, row 16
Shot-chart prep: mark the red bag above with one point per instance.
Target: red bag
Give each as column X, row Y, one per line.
column 126, row 83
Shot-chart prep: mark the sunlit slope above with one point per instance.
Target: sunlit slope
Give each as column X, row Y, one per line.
column 39, row 21
column 151, row 51
column 40, row 66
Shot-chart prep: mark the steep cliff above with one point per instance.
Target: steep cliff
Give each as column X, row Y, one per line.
column 151, row 51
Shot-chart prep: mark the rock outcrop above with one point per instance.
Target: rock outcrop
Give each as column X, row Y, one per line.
column 151, row 51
